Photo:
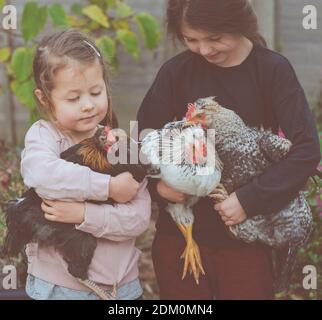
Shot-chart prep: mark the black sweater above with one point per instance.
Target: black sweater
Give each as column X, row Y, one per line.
column 262, row 90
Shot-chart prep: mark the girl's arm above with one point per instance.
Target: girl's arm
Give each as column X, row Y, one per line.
column 54, row 178
column 282, row 181
column 118, row 222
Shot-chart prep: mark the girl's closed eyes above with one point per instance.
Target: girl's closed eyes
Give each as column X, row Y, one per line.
column 74, row 99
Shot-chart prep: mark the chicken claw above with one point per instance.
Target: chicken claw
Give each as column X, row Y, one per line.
column 191, row 254
column 219, row 194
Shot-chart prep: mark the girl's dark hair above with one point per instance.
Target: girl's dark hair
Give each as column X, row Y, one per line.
column 223, row 16
column 53, row 54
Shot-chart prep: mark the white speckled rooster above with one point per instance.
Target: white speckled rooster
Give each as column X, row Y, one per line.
column 188, row 162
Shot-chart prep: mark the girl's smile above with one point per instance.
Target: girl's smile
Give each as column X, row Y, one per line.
column 89, row 118
column 221, row 49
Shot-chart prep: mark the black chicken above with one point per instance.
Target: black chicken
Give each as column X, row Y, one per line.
column 26, row 222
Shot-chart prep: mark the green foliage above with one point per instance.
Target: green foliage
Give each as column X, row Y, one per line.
column 149, row 29
column 4, row 54
column 58, row 15
column 96, row 14
column 2, row 3
column 113, row 24
column 107, row 46
column 34, row 19
column 129, row 41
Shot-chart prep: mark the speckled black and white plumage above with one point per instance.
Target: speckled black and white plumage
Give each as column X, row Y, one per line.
column 245, row 153
column 166, row 150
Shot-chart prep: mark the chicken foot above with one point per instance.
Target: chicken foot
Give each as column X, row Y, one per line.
column 191, row 254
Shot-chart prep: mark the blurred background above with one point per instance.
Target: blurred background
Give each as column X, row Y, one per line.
column 131, row 35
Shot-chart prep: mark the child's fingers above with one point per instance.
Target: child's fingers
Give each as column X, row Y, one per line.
column 48, row 202
column 46, row 208
column 230, row 223
column 50, row 217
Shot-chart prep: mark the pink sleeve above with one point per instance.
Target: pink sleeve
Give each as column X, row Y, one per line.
column 54, row 178
column 119, row 222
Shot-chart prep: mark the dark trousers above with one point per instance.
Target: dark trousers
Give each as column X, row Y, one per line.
column 245, row 273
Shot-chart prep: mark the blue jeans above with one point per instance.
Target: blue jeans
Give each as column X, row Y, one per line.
column 39, row 289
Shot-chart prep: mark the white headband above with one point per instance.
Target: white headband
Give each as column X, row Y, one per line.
column 96, row 51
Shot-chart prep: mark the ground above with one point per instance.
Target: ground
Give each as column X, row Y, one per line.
column 147, row 275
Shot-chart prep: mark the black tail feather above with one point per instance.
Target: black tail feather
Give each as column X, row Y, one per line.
column 16, row 237
column 286, row 262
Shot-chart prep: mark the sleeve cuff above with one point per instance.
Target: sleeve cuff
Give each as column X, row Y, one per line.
column 94, row 219
column 249, row 200
column 98, row 186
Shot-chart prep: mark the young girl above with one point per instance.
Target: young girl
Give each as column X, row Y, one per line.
column 72, row 91
column 227, row 58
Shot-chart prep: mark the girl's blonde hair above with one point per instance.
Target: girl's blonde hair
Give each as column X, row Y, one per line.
column 52, row 54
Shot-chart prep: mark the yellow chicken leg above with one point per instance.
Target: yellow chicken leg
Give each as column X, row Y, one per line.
column 191, row 254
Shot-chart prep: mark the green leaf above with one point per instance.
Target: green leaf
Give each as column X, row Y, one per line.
column 129, row 41
column 4, row 54
column 107, row 47
column 21, row 63
column 149, row 28
column 123, row 10
column 34, row 19
column 58, row 15
column 76, row 8
column 2, row 3
column 24, row 92
column 76, row 22
column 96, row 14
column 111, row 4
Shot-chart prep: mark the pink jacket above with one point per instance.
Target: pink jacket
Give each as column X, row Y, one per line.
column 115, row 259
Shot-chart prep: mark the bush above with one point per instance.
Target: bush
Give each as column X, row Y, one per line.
column 113, row 24
column 11, row 186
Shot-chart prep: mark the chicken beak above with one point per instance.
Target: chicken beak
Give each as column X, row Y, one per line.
column 110, row 138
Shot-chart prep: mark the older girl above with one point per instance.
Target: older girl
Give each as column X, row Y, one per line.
column 226, row 57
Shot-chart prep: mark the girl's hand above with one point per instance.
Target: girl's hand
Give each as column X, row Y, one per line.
column 123, row 187
column 231, row 211
column 62, row 211
column 170, row 194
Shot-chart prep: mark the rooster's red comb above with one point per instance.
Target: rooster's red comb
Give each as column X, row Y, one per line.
column 191, row 110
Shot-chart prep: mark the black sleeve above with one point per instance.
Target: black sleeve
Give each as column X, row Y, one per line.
column 281, row 182
column 157, row 109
